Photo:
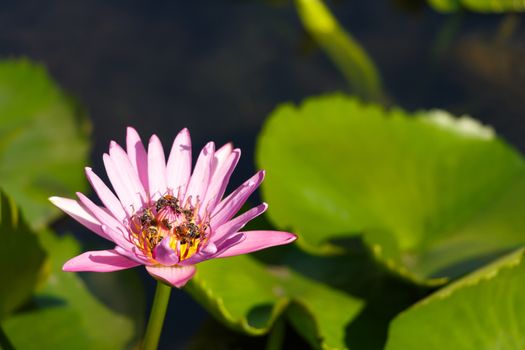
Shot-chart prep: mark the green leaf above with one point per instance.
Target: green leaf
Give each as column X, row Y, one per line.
column 345, row 52
column 67, row 315
column 428, row 191
column 329, row 301
column 481, row 311
column 248, row 296
column 487, row 6
column 123, row 292
column 43, row 140
column 21, row 257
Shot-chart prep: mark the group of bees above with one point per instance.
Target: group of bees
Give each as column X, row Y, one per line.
column 186, row 232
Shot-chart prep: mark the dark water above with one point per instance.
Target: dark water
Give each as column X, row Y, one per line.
column 219, row 68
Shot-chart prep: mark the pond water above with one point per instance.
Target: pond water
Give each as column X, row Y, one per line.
column 220, row 67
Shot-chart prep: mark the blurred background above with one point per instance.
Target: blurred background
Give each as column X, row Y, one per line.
column 219, row 67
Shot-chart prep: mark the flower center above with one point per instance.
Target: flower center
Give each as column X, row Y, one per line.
column 167, row 219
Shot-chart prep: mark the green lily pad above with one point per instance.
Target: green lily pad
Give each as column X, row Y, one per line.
column 434, row 196
column 487, row 6
column 123, row 292
column 21, row 256
column 481, row 311
column 43, row 140
column 248, row 295
column 66, row 314
column 329, row 300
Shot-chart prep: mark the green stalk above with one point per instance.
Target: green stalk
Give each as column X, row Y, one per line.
column 156, row 317
column 5, row 343
column 344, row 51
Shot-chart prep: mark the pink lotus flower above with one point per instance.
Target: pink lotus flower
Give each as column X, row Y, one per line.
column 164, row 216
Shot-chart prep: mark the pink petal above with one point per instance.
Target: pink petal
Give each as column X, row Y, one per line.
column 137, row 156
column 228, row 207
column 75, row 210
column 106, row 196
column 125, row 196
column 205, row 253
column 164, row 254
column 177, row 276
column 221, row 155
column 134, row 254
column 99, row 261
column 220, row 179
column 179, row 163
column 200, row 179
column 127, row 173
column 108, row 220
column 225, row 244
column 156, row 168
column 255, row 240
column 209, row 248
column 238, row 223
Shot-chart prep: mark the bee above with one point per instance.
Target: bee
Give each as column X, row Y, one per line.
column 146, row 218
column 186, row 233
column 167, row 224
column 193, row 231
column 152, row 236
column 167, row 201
column 188, row 213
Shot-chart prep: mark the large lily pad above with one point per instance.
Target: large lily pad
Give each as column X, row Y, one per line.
column 66, row 315
column 21, row 256
column 329, row 300
column 43, row 140
column 482, row 311
column 248, row 295
column 434, row 195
